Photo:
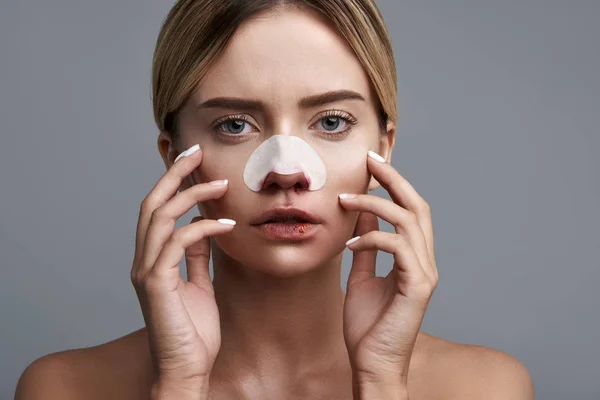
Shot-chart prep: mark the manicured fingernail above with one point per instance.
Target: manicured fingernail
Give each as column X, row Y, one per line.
column 187, row 152
column 354, row 239
column 226, row 221
column 376, row 156
column 347, row 196
column 220, row 182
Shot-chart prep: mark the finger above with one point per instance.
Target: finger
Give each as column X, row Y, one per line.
column 197, row 257
column 404, row 221
column 163, row 190
column 405, row 195
column 363, row 263
column 406, row 263
column 166, row 269
column 163, row 219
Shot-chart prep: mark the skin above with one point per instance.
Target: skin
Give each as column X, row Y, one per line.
column 280, row 321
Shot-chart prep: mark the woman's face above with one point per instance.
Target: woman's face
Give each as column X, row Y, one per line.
column 277, row 61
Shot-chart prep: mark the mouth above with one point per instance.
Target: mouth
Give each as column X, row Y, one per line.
column 286, row 221
column 287, row 224
column 286, row 216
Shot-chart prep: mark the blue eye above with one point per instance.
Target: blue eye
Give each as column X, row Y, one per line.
column 332, row 120
column 332, row 123
column 235, row 122
column 233, row 125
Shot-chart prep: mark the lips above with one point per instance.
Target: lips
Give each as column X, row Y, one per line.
column 286, row 215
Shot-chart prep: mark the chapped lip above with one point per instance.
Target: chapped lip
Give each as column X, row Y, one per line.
column 286, row 213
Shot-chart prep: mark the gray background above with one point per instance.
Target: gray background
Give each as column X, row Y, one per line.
column 498, row 131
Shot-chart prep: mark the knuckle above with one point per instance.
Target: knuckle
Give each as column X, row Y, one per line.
column 412, row 218
column 433, row 279
column 177, row 237
column 136, row 278
column 423, row 289
column 152, row 283
column 134, row 272
column 158, row 214
column 133, row 277
column 148, row 204
column 373, row 237
column 401, row 242
column 424, row 206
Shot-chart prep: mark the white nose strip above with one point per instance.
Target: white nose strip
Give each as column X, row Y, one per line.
column 284, row 155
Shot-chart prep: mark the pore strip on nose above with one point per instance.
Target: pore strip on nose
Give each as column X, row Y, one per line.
column 284, row 155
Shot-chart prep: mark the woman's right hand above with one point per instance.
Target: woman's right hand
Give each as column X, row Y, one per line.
column 181, row 316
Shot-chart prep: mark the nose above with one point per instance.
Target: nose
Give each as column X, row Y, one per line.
column 286, row 181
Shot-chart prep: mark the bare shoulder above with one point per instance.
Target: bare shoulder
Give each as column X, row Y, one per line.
column 117, row 369
column 46, row 377
column 469, row 371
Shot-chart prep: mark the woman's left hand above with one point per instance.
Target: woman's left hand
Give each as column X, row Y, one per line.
column 383, row 315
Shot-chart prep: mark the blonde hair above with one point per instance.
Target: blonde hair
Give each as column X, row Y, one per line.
column 195, row 32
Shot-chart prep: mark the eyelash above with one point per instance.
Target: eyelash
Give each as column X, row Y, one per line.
column 349, row 119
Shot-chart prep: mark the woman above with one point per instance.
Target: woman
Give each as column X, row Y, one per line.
column 275, row 119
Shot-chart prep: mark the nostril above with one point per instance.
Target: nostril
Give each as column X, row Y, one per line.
column 298, row 179
column 302, row 184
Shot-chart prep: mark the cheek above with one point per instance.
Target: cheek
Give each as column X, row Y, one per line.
column 347, row 172
column 217, row 165
column 220, row 162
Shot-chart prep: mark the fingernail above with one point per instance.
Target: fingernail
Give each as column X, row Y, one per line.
column 354, row 239
column 226, row 221
column 220, row 182
column 187, row 152
column 347, row 196
column 376, row 156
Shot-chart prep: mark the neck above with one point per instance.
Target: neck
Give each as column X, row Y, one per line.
column 274, row 326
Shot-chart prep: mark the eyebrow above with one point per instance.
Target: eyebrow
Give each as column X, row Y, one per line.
column 256, row 105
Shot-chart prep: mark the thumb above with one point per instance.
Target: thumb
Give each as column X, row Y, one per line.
column 197, row 257
column 363, row 262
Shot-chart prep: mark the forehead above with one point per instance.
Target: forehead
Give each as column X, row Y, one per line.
column 282, row 57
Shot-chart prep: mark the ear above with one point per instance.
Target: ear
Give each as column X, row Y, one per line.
column 169, row 150
column 386, row 145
